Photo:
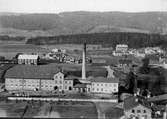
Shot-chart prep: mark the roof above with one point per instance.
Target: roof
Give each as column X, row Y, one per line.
column 121, row 45
column 80, row 85
column 32, row 71
column 104, row 80
column 25, row 56
column 131, row 102
column 71, row 77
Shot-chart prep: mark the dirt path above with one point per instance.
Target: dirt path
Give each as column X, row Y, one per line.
column 102, row 107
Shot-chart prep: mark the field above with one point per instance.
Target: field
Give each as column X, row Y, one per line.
column 10, row 50
column 47, row 109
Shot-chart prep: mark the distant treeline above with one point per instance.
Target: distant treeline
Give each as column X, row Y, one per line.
column 134, row 40
column 8, row 38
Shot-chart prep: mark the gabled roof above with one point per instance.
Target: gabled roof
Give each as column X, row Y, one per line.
column 26, row 56
column 104, row 80
column 32, row 71
column 82, row 85
column 132, row 102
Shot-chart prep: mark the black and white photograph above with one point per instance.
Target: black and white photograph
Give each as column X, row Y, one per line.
column 88, row 59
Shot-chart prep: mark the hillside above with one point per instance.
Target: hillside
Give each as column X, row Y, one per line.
column 82, row 23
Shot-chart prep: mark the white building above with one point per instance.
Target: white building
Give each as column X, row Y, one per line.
column 28, row 59
column 55, row 50
column 122, row 47
column 104, row 85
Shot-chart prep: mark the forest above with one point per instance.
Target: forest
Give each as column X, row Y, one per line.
column 134, row 40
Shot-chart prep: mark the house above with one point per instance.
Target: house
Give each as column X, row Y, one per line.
column 28, row 59
column 81, row 88
column 43, row 77
column 122, row 47
column 55, row 50
column 140, row 53
column 149, row 51
column 104, row 85
column 137, row 107
column 124, row 62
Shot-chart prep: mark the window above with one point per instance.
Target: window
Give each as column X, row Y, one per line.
column 101, row 89
column 65, row 82
column 138, row 111
column 60, row 82
column 106, row 84
column 133, row 111
column 65, row 87
column 70, row 88
column 60, row 87
column 92, row 89
column 101, row 84
column 115, row 85
column 97, row 84
column 144, row 111
column 55, row 81
column 97, row 89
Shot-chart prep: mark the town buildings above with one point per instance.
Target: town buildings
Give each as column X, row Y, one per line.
column 120, row 50
column 28, row 59
column 45, row 77
column 51, row 78
column 104, row 85
column 136, row 107
column 122, row 47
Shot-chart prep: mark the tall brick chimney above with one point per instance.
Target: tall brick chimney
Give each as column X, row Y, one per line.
column 84, row 62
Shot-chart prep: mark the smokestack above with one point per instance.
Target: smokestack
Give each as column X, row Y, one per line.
column 84, row 62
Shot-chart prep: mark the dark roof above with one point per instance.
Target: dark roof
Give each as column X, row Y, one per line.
column 104, row 80
column 131, row 102
column 82, row 85
column 71, row 77
column 32, row 71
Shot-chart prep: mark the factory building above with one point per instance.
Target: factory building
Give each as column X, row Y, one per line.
column 28, row 59
column 104, row 85
column 44, row 77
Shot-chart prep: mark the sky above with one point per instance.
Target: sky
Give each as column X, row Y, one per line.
column 57, row 6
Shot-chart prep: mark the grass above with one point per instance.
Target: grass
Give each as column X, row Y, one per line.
column 88, row 110
column 10, row 50
column 47, row 109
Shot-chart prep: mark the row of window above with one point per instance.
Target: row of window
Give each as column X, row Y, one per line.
column 138, row 111
column 66, row 82
column 104, row 84
column 97, row 89
column 58, row 77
